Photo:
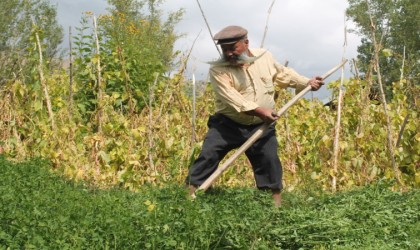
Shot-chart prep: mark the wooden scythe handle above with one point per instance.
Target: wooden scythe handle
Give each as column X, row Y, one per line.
column 216, row 174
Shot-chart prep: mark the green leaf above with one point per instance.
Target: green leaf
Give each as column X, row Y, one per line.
column 387, row 52
column 104, row 156
column 37, row 105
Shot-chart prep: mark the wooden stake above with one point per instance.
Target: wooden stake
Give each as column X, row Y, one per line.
column 266, row 23
column 71, row 76
column 338, row 122
column 193, row 111
column 400, row 134
column 99, row 78
column 43, row 82
column 151, row 124
column 377, row 47
column 208, row 27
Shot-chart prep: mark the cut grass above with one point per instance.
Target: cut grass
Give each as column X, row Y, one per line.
column 41, row 210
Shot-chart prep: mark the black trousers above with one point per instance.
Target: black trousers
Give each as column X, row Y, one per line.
column 225, row 135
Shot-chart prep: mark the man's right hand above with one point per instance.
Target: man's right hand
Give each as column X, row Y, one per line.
column 316, row 83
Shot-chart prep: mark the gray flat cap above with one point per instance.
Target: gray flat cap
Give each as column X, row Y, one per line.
column 230, row 34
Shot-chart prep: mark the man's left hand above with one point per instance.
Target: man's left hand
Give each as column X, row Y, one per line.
column 316, row 83
column 266, row 114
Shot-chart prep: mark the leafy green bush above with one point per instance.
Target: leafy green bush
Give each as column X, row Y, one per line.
column 41, row 210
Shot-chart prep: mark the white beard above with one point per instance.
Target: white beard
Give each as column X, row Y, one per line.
column 242, row 59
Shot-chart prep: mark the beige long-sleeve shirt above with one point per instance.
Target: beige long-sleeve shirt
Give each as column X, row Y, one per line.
column 239, row 89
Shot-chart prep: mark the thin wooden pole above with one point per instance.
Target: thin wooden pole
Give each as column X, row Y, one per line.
column 193, row 111
column 99, row 78
column 377, row 47
column 400, row 134
column 286, row 125
column 266, row 23
column 259, row 133
column 70, row 75
column 151, row 123
column 338, row 122
column 43, row 81
column 208, row 26
column 402, row 66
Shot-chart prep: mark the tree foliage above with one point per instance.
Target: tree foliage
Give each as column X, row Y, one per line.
column 18, row 20
column 396, row 25
column 136, row 47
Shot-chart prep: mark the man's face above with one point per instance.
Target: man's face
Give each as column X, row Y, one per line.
column 232, row 52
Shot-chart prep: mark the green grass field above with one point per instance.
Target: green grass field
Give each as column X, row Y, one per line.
column 41, row 210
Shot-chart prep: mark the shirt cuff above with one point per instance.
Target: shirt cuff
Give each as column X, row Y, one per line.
column 301, row 83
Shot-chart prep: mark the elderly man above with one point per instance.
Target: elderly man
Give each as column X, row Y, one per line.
column 243, row 81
